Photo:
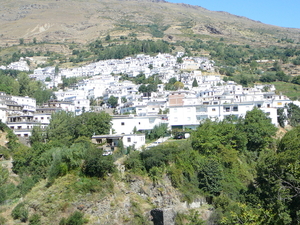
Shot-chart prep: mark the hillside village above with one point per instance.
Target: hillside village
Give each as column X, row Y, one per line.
column 148, row 112
column 182, row 109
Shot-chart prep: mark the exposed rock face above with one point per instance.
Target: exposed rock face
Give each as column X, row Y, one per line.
column 114, row 209
column 163, row 216
column 212, row 29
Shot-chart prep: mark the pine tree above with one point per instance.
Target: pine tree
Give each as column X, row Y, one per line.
column 195, row 83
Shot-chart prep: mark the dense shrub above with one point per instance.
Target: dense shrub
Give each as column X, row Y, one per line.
column 20, row 212
column 97, row 165
column 35, row 219
column 75, row 218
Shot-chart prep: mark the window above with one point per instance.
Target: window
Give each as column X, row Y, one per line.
column 268, row 105
column 235, row 108
column 42, row 118
column 128, row 139
column 213, row 109
column 215, row 103
column 201, row 109
column 122, row 123
column 201, row 117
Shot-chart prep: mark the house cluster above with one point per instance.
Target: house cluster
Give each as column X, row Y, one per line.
column 21, row 65
column 21, row 114
column 161, row 64
column 183, row 109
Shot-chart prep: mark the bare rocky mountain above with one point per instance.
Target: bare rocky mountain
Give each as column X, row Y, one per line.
column 82, row 21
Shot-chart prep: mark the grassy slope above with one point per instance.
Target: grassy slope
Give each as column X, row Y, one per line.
column 292, row 91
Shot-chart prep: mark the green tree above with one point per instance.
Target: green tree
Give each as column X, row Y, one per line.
column 42, row 95
column 282, row 118
column 293, row 114
column 179, row 60
column 220, row 143
column 296, row 80
column 91, row 123
column 97, row 165
column 244, row 214
column 195, row 83
column 214, row 137
column 24, row 82
column 211, row 176
column 178, row 85
column 281, row 76
column 143, row 88
column 134, row 130
column 61, row 127
column 134, row 162
column 56, row 70
column 113, row 101
column 278, row 180
column 259, row 130
column 37, row 135
column 107, row 38
column 123, row 99
column 158, row 131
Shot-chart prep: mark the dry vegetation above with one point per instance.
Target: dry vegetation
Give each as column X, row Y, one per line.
column 83, row 21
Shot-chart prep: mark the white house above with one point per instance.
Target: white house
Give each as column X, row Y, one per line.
column 127, row 123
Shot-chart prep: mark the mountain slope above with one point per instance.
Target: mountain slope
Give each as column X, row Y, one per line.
column 82, row 21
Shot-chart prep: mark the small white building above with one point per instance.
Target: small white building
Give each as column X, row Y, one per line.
column 134, row 140
column 109, row 143
column 127, row 123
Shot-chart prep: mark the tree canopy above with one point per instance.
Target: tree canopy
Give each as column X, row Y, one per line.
column 65, row 127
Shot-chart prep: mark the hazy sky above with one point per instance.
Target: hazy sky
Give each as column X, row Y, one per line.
column 283, row 13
